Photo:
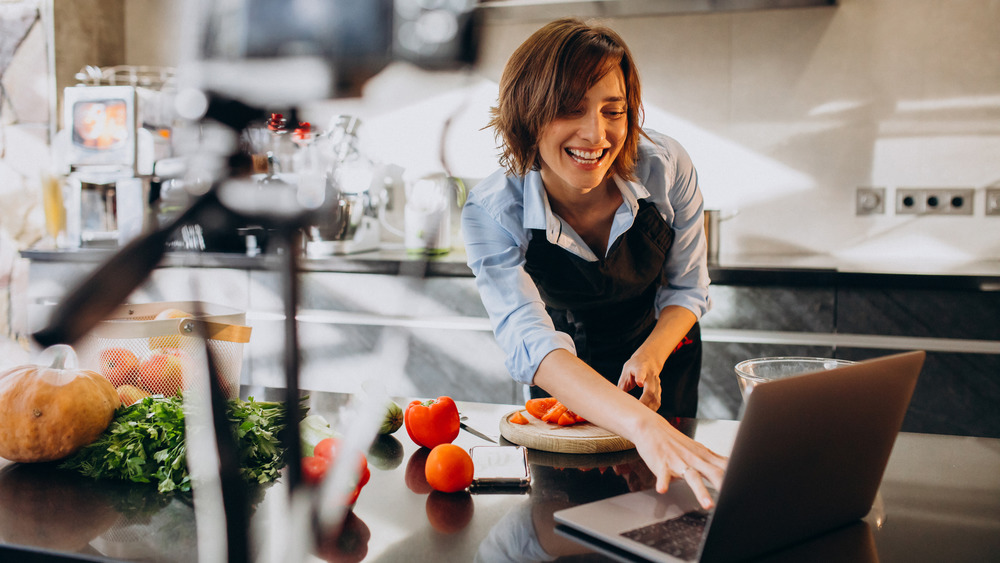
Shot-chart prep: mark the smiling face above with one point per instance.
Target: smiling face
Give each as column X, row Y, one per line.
column 578, row 147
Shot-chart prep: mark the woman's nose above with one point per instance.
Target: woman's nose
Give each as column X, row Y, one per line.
column 592, row 128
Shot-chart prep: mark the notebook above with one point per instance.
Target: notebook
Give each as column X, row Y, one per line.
column 808, row 458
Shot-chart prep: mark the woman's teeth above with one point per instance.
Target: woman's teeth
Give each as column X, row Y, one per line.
column 586, row 157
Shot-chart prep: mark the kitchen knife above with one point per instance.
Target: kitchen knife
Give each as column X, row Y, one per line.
column 473, row 431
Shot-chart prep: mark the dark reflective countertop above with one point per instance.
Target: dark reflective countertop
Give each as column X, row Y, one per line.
column 939, row 501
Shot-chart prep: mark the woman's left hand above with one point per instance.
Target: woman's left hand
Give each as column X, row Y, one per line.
column 642, row 370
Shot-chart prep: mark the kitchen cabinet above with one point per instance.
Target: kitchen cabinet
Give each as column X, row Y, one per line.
column 957, row 392
column 960, row 384
column 430, row 334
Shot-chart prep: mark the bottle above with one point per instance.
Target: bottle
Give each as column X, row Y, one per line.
column 281, row 150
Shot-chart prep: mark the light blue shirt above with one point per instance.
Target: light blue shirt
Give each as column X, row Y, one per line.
column 502, row 210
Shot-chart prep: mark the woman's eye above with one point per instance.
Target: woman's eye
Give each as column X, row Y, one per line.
column 616, row 113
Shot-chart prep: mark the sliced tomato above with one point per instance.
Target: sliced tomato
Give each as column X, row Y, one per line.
column 538, row 407
column 554, row 413
column 518, row 418
column 566, row 419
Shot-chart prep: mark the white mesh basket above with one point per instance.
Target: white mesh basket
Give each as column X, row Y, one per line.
column 163, row 356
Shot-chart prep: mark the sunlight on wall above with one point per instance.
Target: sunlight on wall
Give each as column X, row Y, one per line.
column 730, row 175
column 404, row 113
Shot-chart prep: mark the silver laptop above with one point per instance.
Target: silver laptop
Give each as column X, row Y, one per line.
column 808, row 458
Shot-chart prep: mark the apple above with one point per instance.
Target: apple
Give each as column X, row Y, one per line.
column 130, row 394
column 172, row 340
column 163, row 371
column 120, row 366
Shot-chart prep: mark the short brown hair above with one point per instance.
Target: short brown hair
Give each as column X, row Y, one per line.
column 548, row 75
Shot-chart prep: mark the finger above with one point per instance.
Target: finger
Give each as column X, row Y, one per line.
column 625, row 382
column 662, row 482
column 694, row 480
column 640, row 379
column 714, row 475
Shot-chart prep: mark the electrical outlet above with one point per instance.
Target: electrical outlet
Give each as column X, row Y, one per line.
column 934, row 201
column 993, row 201
column 869, row 201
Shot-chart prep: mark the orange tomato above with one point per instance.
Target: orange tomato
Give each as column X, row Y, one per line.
column 163, row 372
column 120, row 366
column 449, row 468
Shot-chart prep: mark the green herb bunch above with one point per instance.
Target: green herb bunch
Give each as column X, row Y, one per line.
column 145, row 443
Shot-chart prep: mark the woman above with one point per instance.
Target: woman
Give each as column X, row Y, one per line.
column 588, row 247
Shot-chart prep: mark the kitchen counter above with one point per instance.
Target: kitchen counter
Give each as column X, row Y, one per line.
column 777, row 305
column 939, row 501
column 785, row 270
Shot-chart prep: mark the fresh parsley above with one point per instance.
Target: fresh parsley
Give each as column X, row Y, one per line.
column 145, row 443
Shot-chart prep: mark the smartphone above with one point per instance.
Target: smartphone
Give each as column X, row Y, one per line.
column 499, row 468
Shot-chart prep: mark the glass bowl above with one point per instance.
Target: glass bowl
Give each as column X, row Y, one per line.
column 759, row 370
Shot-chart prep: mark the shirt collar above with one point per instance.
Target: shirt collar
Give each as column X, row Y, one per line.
column 632, row 192
column 538, row 214
column 536, row 203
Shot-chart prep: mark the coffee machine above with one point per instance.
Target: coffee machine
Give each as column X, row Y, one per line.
column 113, row 134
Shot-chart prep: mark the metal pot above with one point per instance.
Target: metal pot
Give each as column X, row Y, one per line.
column 712, row 219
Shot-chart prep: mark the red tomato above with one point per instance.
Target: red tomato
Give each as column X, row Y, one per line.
column 326, row 451
column 449, row 468
column 120, row 366
column 366, row 474
column 430, row 423
column 314, row 468
column 328, row 448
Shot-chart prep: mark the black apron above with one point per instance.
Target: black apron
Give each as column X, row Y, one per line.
column 607, row 306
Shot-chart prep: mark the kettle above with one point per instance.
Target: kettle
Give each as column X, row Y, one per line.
column 427, row 213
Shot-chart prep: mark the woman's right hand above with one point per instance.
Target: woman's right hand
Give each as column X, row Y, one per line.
column 670, row 453
column 667, row 451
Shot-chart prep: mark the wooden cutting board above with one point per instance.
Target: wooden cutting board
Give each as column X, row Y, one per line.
column 582, row 438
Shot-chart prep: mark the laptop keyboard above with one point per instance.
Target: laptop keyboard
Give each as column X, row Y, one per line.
column 679, row 537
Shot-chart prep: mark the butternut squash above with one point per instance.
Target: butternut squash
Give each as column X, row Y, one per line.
column 49, row 412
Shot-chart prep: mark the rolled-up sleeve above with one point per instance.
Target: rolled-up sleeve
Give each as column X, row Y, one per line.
column 495, row 242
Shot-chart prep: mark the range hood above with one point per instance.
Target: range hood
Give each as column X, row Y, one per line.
column 528, row 10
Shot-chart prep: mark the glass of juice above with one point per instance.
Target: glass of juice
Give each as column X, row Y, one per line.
column 55, row 210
